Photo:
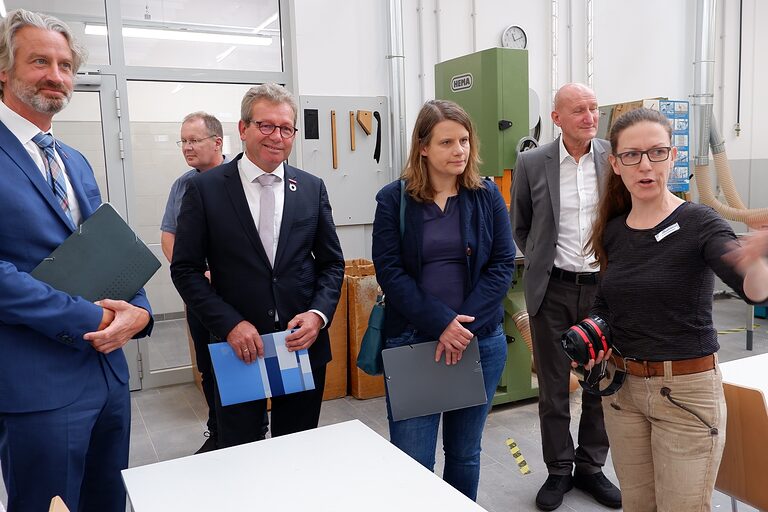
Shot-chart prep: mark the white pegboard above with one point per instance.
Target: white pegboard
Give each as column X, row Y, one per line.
column 352, row 186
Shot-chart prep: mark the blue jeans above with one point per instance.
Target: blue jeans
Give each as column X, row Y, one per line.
column 462, row 429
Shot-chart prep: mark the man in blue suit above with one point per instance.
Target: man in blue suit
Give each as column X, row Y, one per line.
column 64, row 401
column 265, row 230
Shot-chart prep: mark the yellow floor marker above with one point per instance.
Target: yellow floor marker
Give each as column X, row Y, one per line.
column 518, row 456
column 738, row 329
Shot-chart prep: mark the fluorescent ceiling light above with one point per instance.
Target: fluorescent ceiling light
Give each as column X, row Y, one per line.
column 226, row 53
column 262, row 25
column 3, row 12
column 181, row 35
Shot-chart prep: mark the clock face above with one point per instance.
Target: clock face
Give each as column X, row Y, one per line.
column 514, row 37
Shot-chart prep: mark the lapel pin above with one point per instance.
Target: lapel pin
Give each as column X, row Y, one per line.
column 291, row 184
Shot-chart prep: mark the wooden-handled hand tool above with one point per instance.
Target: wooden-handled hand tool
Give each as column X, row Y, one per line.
column 364, row 120
column 352, row 130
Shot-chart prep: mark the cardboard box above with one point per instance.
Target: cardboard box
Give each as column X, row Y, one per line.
column 336, row 371
column 362, row 290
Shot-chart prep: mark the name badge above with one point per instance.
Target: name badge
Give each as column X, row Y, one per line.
column 661, row 235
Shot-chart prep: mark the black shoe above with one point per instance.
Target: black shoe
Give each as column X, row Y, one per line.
column 209, row 445
column 599, row 487
column 550, row 496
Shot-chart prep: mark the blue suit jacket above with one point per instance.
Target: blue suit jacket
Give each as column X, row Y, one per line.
column 215, row 226
column 487, row 236
column 44, row 360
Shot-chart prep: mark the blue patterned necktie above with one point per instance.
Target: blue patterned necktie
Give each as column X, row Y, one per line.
column 55, row 172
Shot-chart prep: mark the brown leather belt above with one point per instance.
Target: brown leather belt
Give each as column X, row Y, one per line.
column 656, row 368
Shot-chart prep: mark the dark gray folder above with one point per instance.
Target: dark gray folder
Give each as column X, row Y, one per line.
column 103, row 259
column 419, row 386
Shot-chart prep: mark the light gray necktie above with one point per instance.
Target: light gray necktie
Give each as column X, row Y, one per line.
column 267, row 213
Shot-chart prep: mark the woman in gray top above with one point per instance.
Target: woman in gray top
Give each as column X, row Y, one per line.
column 658, row 256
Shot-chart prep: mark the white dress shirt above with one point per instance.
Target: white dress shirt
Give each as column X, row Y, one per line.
column 249, row 172
column 578, row 208
column 24, row 130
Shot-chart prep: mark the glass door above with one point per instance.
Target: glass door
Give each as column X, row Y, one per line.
column 156, row 111
column 91, row 124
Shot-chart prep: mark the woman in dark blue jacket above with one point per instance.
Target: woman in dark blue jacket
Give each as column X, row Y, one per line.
column 445, row 278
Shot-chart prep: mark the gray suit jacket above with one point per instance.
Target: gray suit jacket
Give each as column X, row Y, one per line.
column 535, row 212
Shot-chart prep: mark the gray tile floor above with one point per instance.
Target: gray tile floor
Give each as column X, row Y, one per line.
column 169, row 347
column 169, row 422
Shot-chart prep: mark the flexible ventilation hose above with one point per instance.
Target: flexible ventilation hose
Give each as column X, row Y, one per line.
column 734, row 209
column 524, row 326
column 724, row 175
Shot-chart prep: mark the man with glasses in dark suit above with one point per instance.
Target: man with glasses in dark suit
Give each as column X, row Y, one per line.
column 266, row 231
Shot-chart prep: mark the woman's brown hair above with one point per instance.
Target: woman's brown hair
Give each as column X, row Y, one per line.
column 615, row 199
column 415, row 173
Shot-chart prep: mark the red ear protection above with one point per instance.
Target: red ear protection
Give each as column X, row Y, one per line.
column 587, row 341
column 588, row 321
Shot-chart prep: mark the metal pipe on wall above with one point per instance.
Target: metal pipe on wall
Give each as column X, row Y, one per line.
column 570, row 40
column 737, row 128
column 707, row 132
column 422, row 74
column 721, row 17
column 474, row 25
column 438, row 38
column 590, row 44
column 555, row 42
column 396, row 59
column 703, row 78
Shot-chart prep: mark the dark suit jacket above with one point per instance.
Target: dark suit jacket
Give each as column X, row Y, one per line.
column 535, row 211
column 216, row 226
column 44, row 361
column 490, row 252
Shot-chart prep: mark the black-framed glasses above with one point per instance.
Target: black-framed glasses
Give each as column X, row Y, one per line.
column 193, row 142
column 286, row 132
column 653, row 154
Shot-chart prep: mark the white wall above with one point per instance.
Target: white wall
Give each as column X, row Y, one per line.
column 641, row 50
column 341, row 47
column 638, row 53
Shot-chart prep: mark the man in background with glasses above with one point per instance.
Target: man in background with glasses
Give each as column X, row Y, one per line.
column 266, row 231
column 201, row 144
column 555, row 191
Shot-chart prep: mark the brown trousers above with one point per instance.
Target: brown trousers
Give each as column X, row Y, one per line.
column 667, row 457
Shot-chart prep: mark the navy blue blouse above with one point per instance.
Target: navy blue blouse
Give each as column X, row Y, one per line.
column 444, row 267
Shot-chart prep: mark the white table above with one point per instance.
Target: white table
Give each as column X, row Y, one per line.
column 342, row 467
column 745, row 458
column 748, row 372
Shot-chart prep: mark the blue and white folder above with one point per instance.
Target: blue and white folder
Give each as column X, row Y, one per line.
column 279, row 372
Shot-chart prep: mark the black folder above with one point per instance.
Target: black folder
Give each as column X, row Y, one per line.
column 102, row 259
column 418, row 386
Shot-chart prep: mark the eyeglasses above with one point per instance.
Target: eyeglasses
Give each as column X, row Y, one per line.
column 192, row 142
column 653, row 154
column 268, row 129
